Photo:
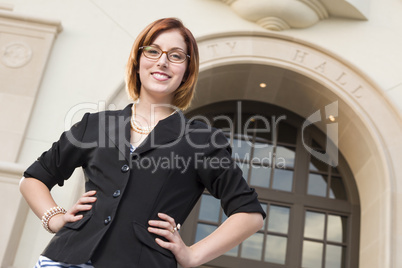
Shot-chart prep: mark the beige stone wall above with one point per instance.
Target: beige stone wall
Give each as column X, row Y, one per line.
column 87, row 62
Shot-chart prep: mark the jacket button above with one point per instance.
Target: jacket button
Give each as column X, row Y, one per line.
column 116, row 193
column 107, row 220
column 125, row 168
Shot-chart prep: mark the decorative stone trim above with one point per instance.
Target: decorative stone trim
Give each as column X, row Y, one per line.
column 278, row 15
column 7, row 7
column 15, row 54
column 25, row 45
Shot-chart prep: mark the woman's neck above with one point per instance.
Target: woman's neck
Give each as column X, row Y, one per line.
column 152, row 112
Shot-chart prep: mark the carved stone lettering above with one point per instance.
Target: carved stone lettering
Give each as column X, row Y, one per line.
column 321, row 67
column 300, row 56
column 341, row 79
column 357, row 92
column 213, row 48
column 231, row 45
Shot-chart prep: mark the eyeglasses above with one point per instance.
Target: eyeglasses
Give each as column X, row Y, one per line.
column 174, row 55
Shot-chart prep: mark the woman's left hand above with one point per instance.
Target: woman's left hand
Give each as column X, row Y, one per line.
column 167, row 228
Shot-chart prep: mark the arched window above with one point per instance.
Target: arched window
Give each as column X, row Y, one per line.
column 313, row 212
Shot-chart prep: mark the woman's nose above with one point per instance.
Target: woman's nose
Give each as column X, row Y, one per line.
column 163, row 60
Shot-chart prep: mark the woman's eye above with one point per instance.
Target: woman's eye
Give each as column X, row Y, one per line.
column 176, row 55
column 153, row 51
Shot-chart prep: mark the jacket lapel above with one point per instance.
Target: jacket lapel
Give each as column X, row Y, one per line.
column 165, row 133
column 117, row 129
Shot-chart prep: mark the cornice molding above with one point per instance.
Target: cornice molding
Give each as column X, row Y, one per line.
column 7, row 7
column 30, row 22
column 278, row 15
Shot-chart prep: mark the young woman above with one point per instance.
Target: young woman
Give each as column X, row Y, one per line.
column 137, row 192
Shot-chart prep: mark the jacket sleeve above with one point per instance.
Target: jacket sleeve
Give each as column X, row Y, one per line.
column 224, row 179
column 59, row 162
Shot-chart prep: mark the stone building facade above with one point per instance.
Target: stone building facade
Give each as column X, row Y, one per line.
column 330, row 68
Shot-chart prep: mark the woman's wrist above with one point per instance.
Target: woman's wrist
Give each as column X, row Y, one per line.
column 49, row 217
column 56, row 223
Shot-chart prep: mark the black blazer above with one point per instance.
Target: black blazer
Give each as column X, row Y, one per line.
column 167, row 173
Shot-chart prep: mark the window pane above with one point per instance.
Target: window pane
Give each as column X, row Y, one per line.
column 278, row 219
column 333, row 258
column 263, row 153
column 252, row 247
column 209, row 210
column 285, row 157
column 336, row 225
column 203, row 230
column 224, row 217
column 314, row 225
column 275, row 250
column 312, row 254
column 241, row 149
column 233, row 252
column 337, row 189
column 317, row 185
column 283, row 180
column 260, row 176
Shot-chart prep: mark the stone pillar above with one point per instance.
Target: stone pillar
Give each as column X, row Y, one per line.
column 25, row 45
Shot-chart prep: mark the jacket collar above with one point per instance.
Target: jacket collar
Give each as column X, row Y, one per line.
column 166, row 132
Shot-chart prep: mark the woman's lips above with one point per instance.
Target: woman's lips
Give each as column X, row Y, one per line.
column 160, row 76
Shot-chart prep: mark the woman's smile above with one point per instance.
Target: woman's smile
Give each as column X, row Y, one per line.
column 160, row 76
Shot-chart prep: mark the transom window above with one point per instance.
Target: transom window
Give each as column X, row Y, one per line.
column 311, row 219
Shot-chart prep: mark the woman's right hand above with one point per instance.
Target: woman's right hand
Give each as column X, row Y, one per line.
column 83, row 204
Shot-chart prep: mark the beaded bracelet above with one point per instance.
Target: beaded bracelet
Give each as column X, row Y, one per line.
column 49, row 214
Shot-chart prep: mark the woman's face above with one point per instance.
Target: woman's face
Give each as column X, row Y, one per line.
column 160, row 78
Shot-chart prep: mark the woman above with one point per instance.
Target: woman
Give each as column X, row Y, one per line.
column 145, row 167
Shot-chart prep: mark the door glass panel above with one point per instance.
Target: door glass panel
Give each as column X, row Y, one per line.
column 333, row 258
column 337, row 189
column 317, row 185
column 283, row 180
column 252, row 247
column 233, row 252
column 241, row 149
column 203, row 230
column 278, row 219
column 335, row 228
column 275, row 250
column 260, row 176
column 285, row 157
column 209, row 210
column 314, row 225
column 312, row 254
column 263, row 153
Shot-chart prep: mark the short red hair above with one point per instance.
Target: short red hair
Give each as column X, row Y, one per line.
column 185, row 92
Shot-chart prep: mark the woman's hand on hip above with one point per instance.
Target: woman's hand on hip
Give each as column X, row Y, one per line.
column 84, row 203
column 168, row 228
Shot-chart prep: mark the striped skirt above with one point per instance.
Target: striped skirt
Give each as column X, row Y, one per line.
column 46, row 262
